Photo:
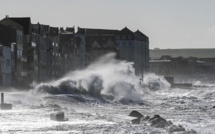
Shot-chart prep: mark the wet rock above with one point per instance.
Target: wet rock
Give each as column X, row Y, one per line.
column 191, row 132
column 59, row 116
column 135, row 113
column 135, row 121
column 145, row 118
column 158, row 122
column 175, row 128
column 170, row 123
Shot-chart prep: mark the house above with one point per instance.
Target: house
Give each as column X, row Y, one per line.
column 47, row 58
column 98, row 45
column 134, row 47
column 18, row 49
column 97, row 42
column 129, row 46
column 67, row 49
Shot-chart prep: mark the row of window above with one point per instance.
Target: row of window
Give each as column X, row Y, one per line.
column 129, row 44
column 124, row 37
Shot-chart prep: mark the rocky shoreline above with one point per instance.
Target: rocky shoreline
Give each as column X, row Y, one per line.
column 159, row 122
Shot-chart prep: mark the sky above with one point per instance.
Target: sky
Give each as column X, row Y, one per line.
column 167, row 23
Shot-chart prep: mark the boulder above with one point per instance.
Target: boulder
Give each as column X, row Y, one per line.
column 137, row 115
column 59, row 116
column 5, row 106
column 158, row 122
column 145, row 118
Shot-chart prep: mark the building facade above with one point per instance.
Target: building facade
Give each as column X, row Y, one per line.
column 42, row 53
column 128, row 45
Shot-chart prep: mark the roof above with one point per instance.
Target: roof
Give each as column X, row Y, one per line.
column 101, row 40
column 95, row 31
column 70, row 29
column 199, row 53
column 159, row 61
column 53, row 31
column 140, row 36
column 7, row 34
column 66, row 37
column 125, row 31
column 12, row 24
column 24, row 21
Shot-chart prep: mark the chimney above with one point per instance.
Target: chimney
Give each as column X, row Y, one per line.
column 7, row 16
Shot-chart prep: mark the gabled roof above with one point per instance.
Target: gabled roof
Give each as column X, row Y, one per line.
column 12, row 24
column 140, row 36
column 125, row 31
column 101, row 40
column 24, row 21
column 7, row 34
column 140, row 33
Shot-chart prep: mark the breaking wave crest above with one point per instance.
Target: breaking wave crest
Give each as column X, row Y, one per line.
column 107, row 79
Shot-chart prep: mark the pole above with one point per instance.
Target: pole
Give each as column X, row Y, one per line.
column 142, row 68
column 2, row 98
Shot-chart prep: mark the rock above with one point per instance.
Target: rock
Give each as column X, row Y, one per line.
column 170, row 123
column 213, row 106
column 158, row 122
column 135, row 121
column 55, row 106
column 135, row 113
column 5, row 106
column 145, row 118
column 175, row 128
column 191, row 132
column 59, row 116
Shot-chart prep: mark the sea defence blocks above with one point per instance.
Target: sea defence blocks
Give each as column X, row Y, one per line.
column 59, row 116
column 3, row 105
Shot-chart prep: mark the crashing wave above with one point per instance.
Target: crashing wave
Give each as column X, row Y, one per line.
column 107, row 78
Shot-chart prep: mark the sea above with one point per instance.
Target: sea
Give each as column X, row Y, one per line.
column 99, row 99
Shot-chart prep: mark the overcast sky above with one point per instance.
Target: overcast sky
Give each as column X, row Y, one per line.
column 167, row 23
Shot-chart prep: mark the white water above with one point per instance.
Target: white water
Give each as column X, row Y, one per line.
column 99, row 98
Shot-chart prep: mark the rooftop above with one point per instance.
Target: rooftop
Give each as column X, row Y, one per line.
column 198, row 53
